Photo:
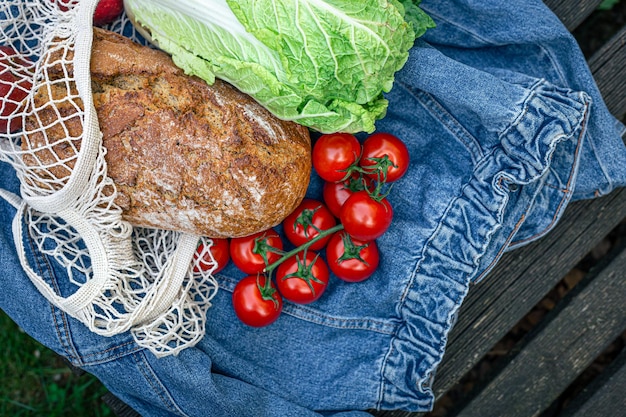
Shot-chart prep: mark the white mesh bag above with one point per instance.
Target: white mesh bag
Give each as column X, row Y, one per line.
column 125, row 279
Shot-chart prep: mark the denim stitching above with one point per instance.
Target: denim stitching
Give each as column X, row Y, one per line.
column 564, row 200
column 448, row 120
column 63, row 335
column 467, row 32
column 153, row 380
column 391, row 351
column 503, row 248
column 386, row 327
column 130, row 347
column 302, row 312
column 524, row 108
column 608, row 178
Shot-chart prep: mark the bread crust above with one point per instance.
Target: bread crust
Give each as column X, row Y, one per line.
column 185, row 155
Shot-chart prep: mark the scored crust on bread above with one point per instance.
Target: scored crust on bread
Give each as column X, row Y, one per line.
column 184, row 155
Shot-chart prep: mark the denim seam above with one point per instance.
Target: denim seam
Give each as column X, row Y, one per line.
column 155, row 383
column 302, row 312
column 133, row 349
column 503, row 248
column 456, row 301
column 563, row 80
column 391, row 351
column 525, row 106
column 448, row 120
column 608, row 178
column 436, row 16
column 567, row 192
column 440, row 348
column 61, row 329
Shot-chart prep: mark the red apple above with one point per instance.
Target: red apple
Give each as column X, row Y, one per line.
column 107, row 11
column 13, row 89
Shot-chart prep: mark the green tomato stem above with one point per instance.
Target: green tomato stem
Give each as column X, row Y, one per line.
column 268, row 269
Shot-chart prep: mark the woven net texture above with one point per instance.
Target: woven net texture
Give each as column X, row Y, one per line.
column 122, row 278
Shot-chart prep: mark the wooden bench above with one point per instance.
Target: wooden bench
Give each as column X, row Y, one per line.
column 541, row 373
column 531, row 377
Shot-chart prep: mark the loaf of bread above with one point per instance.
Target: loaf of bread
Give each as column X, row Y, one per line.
column 184, row 155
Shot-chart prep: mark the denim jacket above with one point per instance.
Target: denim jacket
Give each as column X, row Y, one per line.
column 505, row 126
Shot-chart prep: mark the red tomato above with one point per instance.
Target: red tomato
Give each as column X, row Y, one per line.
column 378, row 145
column 254, row 304
column 365, row 218
column 302, row 279
column 350, row 259
column 315, row 216
column 202, row 258
column 14, row 87
column 336, row 193
column 334, row 153
column 247, row 253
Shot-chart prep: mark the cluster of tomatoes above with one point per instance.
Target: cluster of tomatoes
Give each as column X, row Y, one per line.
column 335, row 235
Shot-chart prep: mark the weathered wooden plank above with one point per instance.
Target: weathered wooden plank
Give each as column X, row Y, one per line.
column 608, row 66
column 572, row 13
column 606, row 395
column 575, row 333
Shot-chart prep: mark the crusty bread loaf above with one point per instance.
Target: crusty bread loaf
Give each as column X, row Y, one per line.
column 184, row 155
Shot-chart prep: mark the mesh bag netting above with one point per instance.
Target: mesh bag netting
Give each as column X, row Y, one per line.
column 123, row 278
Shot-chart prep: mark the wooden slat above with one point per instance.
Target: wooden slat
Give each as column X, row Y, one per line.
column 572, row 13
column 608, row 66
column 119, row 408
column 607, row 394
column 576, row 332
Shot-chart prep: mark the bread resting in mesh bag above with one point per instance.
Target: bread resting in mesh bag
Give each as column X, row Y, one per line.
column 126, row 164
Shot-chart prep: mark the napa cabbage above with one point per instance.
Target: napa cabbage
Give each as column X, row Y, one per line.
column 322, row 63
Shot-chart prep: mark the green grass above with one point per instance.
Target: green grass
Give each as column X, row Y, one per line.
column 607, row 4
column 34, row 381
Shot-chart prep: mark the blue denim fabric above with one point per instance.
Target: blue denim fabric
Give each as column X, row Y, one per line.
column 505, row 126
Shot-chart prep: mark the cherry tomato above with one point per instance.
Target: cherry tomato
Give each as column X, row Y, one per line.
column 350, row 259
column 247, row 253
column 336, row 193
column 14, row 87
column 220, row 251
column 334, row 153
column 365, row 218
column 254, row 304
column 379, row 144
column 315, row 216
column 303, row 278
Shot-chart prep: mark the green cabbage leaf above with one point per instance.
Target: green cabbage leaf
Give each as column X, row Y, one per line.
column 322, row 63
